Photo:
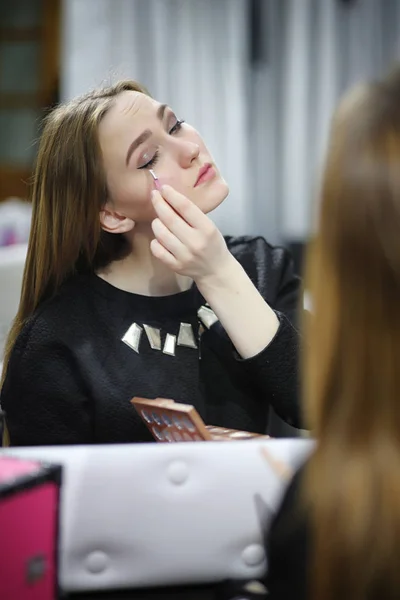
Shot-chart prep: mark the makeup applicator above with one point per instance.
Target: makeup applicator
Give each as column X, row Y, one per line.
column 156, row 180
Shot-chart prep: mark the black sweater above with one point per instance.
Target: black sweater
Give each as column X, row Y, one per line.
column 70, row 378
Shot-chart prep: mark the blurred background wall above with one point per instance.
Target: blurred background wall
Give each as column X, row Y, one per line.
column 258, row 78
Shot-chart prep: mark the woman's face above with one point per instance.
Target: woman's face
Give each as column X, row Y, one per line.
column 138, row 134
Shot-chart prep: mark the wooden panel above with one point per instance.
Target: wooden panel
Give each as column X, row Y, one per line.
column 15, row 178
column 50, row 50
column 17, row 101
column 11, row 34
column 14, row 182
column 19, row 132
column 20, row 66
column 21, row 14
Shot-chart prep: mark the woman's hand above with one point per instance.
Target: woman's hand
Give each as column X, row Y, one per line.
column 186, row 240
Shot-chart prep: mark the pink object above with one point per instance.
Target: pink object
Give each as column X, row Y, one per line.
column 157, row 184
column 10, row 468
column 29, row 514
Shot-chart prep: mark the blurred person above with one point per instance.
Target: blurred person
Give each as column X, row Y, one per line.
column 130, row 290
column 337, row 532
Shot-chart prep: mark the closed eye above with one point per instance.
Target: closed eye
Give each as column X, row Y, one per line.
column 151, row 162
column 177, row 127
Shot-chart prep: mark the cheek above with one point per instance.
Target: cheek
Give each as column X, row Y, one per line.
column 174, row 179
column 132, row 196
column 164, row 178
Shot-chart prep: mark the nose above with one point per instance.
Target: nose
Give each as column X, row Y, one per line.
column 187, row 153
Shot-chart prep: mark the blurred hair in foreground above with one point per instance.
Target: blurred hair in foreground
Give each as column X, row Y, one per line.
column 352, row 361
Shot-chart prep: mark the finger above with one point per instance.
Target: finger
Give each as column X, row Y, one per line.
column 163, row 255
column 172, row 220
column 168, row 239
column 184, row 207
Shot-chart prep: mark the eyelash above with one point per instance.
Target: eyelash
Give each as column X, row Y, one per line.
column 175, row 129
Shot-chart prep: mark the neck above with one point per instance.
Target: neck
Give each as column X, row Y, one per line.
column 141, row 273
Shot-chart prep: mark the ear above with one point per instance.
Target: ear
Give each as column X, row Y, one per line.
column 114, row 222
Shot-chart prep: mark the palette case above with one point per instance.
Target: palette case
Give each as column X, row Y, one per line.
column 170, row 421
column 29, row 518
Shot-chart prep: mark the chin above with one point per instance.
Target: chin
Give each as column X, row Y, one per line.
column 213, row 196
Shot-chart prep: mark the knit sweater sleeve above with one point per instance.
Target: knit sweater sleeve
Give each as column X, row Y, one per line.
column 275, row 370
column 43, row 395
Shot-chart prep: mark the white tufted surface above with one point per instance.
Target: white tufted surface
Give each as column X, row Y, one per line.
column 155, row 514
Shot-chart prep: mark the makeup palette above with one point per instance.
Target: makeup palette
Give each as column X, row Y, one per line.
column 170, row 421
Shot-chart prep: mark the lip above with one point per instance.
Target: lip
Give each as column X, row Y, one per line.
column 206, row 172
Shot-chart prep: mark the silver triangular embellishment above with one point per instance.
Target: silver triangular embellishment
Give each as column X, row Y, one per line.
column 132, row 337
column 154, row 336
column 170, row 343
column 186, row 336
column 207, row 316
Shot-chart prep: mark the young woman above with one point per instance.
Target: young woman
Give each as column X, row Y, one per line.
column 337, row 534
column 130, row 289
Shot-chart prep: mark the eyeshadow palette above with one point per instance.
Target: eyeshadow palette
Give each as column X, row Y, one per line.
column 170, row 421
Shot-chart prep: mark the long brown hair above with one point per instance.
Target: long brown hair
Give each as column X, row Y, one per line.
column 352, row 365
column 69, row 190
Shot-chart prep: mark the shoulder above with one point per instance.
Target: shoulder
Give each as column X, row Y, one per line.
column 258, row 249
column 289, row 519
column 287, row 545
column 269, row 267
column 44, row 348
column 54, row 321
column 37, row 340
column 292, row 496
column 246, row 242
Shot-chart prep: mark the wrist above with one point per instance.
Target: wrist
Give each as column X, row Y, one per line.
column 222, row 277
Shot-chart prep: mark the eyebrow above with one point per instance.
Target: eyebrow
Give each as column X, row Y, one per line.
column 145, row 135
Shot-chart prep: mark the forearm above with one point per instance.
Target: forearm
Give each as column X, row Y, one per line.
column 247, row 319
